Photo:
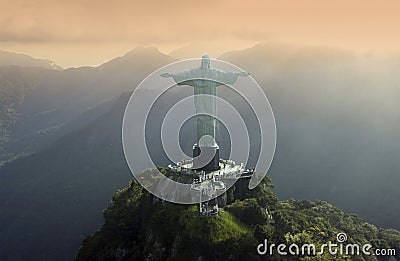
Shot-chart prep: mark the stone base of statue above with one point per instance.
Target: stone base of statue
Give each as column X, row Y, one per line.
column 211, row 180
column 206, row 158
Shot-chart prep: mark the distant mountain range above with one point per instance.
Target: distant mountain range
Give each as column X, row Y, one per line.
column 338, row 139
column 37, row 101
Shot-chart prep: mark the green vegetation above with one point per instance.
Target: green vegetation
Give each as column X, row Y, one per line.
column 139, row 226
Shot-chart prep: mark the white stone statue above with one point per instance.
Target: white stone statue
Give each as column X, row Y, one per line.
column 205, row 80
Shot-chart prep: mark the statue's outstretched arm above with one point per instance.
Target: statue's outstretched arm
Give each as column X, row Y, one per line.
column 242, row 74
column 166, row 75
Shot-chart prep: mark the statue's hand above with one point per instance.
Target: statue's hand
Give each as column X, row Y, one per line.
column 166, row 75
column 244, row 74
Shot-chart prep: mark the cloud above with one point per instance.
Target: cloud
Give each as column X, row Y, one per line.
column 46, row 27
column 155, row 21
column 91, row 21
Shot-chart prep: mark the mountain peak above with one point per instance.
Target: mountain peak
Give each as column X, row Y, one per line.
column 143, row 50
column 140, row 56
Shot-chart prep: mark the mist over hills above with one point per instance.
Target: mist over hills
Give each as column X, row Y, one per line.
column 338, row 139
column 36, row 101
column 338, row 126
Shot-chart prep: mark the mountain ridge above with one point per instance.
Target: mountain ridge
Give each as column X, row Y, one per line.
column 24, row 60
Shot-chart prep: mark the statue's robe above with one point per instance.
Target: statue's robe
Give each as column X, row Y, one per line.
column 205, row 81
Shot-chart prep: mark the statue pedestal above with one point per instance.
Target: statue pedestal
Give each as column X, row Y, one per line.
column 206, row 158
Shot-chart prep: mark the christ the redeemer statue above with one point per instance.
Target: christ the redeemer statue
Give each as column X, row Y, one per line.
column 205, row 81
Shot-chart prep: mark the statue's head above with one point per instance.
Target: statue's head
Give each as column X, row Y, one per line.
column 205, row 62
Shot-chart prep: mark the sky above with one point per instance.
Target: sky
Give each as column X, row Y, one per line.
column 79, row 32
